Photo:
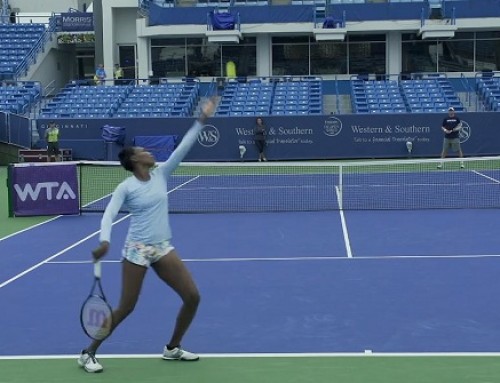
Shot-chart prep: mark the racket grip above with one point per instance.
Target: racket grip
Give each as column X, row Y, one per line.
column 97, row 269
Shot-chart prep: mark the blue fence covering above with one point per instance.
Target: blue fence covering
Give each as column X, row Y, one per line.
column 161, row 147
column 15, row 129
column 250, row 14
column 297, row 137
column 4, row 134
column 304, row 13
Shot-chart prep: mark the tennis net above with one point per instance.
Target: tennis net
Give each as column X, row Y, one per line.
column 312, row 186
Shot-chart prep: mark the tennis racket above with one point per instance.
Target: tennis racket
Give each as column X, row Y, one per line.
column 96, row 315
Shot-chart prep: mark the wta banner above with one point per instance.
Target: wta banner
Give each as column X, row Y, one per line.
column 36, row 189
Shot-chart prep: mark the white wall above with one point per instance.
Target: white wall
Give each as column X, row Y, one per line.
column 33, row 17
column 124, row 25
column 264, row 55
column 393, row 52
column 58, row 66
column 119, row 27
column 46, row 5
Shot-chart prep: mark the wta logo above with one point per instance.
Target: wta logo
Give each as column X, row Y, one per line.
column 47, row 190
column 209, row 136
column 465, row 132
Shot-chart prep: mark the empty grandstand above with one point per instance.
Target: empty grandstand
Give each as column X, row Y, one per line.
column 488, row 90
column 123, row 101
column 283, row 59
column 273, row 96
column 19, row 46
column 19, row 97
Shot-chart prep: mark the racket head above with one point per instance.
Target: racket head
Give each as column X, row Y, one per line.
column 96, row 317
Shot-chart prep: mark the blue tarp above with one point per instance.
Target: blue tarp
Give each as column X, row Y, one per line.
column 113, row 134
column 161, row 147
column 222, row 21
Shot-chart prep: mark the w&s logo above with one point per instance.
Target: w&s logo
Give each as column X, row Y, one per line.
column 209, row 136
column 465, row 132
column 46, row 190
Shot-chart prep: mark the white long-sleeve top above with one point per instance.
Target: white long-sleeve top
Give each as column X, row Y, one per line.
column 147, row 201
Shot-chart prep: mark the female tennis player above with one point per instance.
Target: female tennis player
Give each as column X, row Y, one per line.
column 148, row 241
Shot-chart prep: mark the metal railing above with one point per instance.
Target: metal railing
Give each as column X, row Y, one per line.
column 39, row 46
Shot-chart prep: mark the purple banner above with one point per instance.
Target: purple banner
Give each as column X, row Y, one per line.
column 44, row 190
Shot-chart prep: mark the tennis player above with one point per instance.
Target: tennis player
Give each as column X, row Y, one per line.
column 451, row 127
column 260, row 138
column 148, row 241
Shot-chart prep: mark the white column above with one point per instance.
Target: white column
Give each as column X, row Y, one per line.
column 143, row 52
column 108, row 39
column 393, row 53
column 264, row 57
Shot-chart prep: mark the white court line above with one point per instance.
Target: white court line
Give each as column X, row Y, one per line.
column 59, row 216
column 365, row 354
column 47, row 260
column 298, row 259
column 29, row 228
column 182, row 184
column 343, row 222
column 487, row 177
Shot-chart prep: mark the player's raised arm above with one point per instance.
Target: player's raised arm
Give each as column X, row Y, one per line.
column 189, row 139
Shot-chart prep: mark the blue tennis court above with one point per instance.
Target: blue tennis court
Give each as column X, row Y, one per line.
column 412, row 281
column 307, row 262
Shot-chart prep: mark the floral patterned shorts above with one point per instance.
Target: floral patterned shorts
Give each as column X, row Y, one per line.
column 145, row 255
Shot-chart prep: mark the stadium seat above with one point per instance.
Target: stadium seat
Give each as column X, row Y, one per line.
column 376, row 96
column 433, row 94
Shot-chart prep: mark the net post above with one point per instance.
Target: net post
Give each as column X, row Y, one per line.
column 340, row 196
column 80, row 179
column 10, row 199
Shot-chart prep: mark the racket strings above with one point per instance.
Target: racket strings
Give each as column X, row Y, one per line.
column 96, row 318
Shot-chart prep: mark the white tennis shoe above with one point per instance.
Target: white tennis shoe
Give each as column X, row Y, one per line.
column 89, row 362
column 179, row 354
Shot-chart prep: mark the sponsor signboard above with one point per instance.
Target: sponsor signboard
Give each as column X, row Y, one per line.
column 77, row 21
column 44, row 189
